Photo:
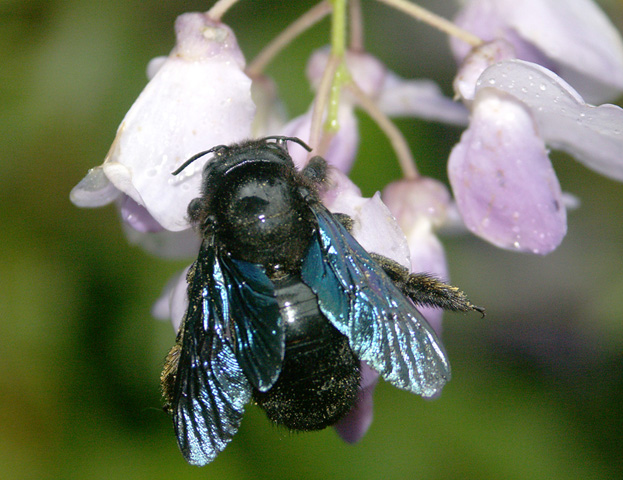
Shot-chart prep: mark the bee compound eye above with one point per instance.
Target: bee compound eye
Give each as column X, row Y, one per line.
column 197, row 210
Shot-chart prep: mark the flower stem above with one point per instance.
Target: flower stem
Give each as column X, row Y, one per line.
column 321, row 100
column 301, row 24
column 220, row 8
column 393, row 133
column 338, row 28
column 356, row 26
column 434, row 20
column 338, row 49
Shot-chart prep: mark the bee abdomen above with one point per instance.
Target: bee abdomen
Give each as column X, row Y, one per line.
column 319, row 380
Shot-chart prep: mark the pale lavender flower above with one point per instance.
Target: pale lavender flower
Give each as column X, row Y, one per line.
column 575, row 40
column 500, row 172
column 503, row 182
column 356, row 423
column 393, row 95
column 173, row 301
column 198, row 97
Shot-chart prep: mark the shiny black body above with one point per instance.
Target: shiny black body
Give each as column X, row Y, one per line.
column 284, row 304
column 319, row 379
column 258, row 213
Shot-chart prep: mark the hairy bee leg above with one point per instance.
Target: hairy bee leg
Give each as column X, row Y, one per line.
column 346, row 221
column 169, row 375
column 425, row 289
column 316, row 171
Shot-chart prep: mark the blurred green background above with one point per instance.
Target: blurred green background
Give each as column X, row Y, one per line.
column 537, row 391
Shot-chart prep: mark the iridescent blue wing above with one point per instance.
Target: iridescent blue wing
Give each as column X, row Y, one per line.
column 210, row 388
column 259, row 330
column 383, row 326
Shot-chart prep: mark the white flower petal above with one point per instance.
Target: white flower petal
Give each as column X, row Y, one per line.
column 94, row 190
column 576, row 40
column 593, row 135
column 374, row 226
column 415, row 201
column 420, row 208
column 198, row 98
column 121, row 177
column 154, row 65
column 476, row 62
column 166, row 244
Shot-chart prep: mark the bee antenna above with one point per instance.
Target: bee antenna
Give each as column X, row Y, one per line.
column 195, row 157
column 282, row 140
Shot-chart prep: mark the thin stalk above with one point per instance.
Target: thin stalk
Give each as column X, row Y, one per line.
column 393, row 133
column 338, row 28
column 300, row 25
column 322, row 99
column 434, row 20
column 356, row 26
column 338, row 50
column 220, row 8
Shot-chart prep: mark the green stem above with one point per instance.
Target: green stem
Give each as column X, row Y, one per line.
column 338, row 28
column 338, row 49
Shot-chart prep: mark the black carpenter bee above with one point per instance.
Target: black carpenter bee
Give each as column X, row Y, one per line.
column 283, row 304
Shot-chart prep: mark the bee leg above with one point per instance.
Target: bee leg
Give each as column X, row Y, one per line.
column 316, row 171
column 425, row 289
column 169, row 375
column 346, row 221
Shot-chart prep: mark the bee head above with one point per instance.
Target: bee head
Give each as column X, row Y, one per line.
column 232, row 166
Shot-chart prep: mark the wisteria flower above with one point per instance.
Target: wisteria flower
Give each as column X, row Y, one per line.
column 501, row 175
column 198, row 97
column 576, row 41
column 518, row 83
column 356, row 423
